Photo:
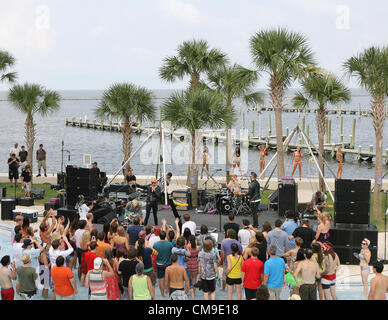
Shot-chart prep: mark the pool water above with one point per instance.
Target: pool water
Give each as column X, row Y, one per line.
column 347, row 289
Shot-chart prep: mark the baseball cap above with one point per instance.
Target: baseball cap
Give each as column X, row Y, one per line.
column 97, row 263
column 26, row 243
column 26, row 258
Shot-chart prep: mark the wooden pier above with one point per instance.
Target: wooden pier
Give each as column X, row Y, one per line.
column 358, row 112
column 218, row 136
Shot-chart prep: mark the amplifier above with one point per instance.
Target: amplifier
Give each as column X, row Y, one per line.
column 69, row 213
column 49, row 205
column 184, row 197
column 117, row 187
column 118, row 195
column 25, row 202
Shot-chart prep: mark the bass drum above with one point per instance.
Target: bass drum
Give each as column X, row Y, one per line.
column 225, row 205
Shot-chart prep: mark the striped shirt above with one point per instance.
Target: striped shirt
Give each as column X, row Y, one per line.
column 97, row 286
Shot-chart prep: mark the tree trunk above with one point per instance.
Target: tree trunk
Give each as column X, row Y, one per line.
column 30, row 140
column 194, row 81
column 321, row 124
column 228, row 147
column 127, row 143
column 193, row 169
column 378, row 115
column 276, row 93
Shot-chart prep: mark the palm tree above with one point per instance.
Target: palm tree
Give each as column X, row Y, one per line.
column 33, row 99
column 6, row 62
column 285, row 56
column 234, row 82
column 370, row 68
column 194, row 59
column 129, row 104
column 193, row 110
column 321, row 90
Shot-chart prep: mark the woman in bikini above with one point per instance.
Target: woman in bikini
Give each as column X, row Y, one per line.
column 324, row 226
column 364, row 257
column 237, row 160
column 297, row 157
column 340, row 159
column 263, row 153
column 205, row 161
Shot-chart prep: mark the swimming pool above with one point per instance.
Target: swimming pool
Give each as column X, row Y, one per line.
column 349, row 287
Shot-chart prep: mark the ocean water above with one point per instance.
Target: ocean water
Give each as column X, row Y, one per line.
column 105, row 147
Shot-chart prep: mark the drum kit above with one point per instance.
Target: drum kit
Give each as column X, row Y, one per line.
column 234, row 202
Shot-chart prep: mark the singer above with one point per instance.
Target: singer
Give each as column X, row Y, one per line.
column 154, row 194
column 254, row 198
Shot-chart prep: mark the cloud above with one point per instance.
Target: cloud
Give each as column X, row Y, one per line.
column 180, row 10
column 26, row 30
column 99, row 30
column 317, row 6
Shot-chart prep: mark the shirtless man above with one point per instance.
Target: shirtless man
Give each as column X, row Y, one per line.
column 379, row 284
column 45, row 229
column 310, row 272
column 263, row 153
column 89, row 221
column 6, row 277
column 340, row 159
column 176, row 280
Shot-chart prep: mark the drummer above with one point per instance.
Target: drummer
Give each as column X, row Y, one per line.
column 234, row 185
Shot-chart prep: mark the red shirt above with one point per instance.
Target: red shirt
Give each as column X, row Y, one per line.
column 89, row 258
column 253, row 268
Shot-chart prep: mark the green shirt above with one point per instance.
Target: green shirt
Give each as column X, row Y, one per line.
column 164, row 252
column 26, row 277
column 140, row 288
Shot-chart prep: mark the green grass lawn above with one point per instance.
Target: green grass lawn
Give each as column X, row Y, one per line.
column 49, row 193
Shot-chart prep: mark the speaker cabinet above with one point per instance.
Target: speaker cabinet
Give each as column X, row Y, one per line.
column 7, row 205
column 348, row 240
column 346, row 255
column 341, row 237
column 80, row 181
column 352, row 201
column 106, row 218
column 288, row 196
column 69, row 213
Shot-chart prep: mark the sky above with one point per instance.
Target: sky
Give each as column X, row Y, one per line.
column 90, row 44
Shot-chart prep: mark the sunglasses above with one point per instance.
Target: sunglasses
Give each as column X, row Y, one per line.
column 363, row 243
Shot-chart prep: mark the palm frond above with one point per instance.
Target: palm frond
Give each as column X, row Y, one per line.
column 282, row 54
column 7, row 61
column 127, row 102
column 193, row 59
column 196, row 109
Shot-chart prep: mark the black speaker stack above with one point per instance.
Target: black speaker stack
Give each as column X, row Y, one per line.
column 80, row 181
column 352, row 220
column 287, row 196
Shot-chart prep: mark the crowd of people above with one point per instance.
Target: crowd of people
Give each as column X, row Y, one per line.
column 129, row 264
column 19, row 167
